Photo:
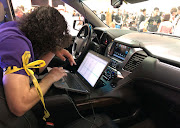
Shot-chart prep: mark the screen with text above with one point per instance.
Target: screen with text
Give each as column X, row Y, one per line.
column 91, row 68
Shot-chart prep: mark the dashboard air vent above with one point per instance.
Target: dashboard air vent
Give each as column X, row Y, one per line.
column 134, row 61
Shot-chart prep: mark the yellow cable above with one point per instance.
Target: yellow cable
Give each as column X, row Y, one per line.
column 26, row 66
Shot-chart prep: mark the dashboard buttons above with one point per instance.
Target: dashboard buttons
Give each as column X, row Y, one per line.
column 109, row 74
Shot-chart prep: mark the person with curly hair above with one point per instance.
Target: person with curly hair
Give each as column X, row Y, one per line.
column 43, row 34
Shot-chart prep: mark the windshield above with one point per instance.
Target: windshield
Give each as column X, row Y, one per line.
column 161, row 16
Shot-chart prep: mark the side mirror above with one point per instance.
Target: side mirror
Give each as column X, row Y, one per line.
column 77, row 25
column 116, row 3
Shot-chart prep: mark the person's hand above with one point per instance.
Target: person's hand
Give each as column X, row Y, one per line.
column 55, row 74
column 64, row 53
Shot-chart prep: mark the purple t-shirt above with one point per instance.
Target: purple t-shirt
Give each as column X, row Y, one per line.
column 13, row 44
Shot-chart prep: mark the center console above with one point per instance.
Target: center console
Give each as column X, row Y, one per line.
column 117, row 53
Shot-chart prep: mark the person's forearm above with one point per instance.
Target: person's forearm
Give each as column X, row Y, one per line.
column 23, row 98
column 20, row 96
column 45, row 84
column 32, row 97
column 47, row 58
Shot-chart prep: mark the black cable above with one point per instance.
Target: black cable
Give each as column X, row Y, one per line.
column 93, row 123
column 92, row 110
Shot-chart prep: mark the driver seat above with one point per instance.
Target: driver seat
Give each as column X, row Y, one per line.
column 29, row 120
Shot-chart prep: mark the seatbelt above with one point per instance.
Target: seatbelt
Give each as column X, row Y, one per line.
column 26, row 66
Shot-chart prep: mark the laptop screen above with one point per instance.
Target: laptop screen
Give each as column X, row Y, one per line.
column 92, row 67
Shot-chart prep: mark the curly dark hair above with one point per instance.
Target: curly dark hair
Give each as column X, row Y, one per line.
column 47, row 30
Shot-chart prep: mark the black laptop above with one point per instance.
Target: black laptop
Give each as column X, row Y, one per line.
column 87, row 75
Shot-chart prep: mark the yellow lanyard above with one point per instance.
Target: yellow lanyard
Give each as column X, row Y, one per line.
column 26, row 66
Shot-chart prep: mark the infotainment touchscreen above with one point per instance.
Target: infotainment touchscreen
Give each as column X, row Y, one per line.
column 120, row 51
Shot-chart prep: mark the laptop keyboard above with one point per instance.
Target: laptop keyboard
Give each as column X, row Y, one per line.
column 72, row 83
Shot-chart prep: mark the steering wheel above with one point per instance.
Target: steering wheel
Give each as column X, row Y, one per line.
column 82, row 41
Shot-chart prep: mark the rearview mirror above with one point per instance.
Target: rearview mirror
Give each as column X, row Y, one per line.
column 116, row 3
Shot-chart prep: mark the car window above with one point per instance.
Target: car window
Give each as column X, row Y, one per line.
column 22, row 7
column 157, row 16
column 160, row 16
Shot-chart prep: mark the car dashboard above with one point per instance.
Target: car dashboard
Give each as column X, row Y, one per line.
column 109, row 45
column 128, row 49
column 145, row 67
column 124, row 59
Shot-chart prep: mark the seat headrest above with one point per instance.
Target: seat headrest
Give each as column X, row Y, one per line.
column 2, row 12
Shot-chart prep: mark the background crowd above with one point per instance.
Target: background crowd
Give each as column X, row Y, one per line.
column 157, row 21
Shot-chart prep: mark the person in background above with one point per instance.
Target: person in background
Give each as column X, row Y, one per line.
column 141, row 18
column 178, row 10
column 95, row 12
column 2, row 13
column 125, row 27
column 132, row 26
column 125, row 17
column 112, row 25
column 161, row 14
column 154, row 21
column 176, row 26
column 112, row 16
column 173, row 12
column 165, row 26
column 137, row 16
column 75, row 13
column 103, row 17
column 19, row 12
column 108, row 17
column 118, row 19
